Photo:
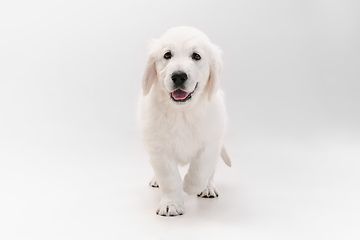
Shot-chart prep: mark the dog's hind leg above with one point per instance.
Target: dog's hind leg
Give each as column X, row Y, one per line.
column 210, row 190
column 201, row 169
column 153, row 183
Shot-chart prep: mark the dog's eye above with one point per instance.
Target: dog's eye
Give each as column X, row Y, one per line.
column 196, row 56
column 167, row 55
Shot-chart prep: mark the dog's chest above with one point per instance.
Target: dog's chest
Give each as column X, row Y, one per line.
column 177, row 134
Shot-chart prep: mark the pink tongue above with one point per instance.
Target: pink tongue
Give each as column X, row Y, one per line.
column 179, row 94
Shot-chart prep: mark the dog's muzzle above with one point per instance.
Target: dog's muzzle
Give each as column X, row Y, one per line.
column 180, row 95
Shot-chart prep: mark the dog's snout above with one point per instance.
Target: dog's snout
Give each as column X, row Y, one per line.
column 179, row 77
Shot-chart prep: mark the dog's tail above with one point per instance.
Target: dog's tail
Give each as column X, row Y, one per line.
column 224, row 155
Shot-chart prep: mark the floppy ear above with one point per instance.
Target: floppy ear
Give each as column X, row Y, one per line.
column 215, row 71
column 149, row 74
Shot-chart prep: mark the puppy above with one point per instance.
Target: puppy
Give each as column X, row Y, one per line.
column 182, row 115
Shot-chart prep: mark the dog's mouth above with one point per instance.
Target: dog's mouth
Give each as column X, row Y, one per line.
column 181, row 96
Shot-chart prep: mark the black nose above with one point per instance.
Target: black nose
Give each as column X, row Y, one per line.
column 179, row 77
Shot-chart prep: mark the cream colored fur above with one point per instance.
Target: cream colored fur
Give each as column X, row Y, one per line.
column 183, row 133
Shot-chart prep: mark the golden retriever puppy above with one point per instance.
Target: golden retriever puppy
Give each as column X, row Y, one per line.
column 182, row 115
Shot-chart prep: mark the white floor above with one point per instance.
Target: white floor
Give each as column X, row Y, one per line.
column 275, row 190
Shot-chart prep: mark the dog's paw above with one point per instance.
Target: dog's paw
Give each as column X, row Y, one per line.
column 153, row 183
column 170, row 209
column 192, row 186
column 209, row 192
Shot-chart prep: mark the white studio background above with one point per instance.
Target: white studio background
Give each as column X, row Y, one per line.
column 71, row 161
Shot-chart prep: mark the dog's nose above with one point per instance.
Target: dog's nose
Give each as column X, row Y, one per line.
column 179, row 77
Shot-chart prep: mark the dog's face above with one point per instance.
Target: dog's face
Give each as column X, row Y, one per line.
column 182, row 66
column 185, row 64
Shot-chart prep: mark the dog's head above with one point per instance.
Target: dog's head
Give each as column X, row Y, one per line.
column 185, row 64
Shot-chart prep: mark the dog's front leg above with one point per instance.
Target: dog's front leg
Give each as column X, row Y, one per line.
column 201, row 169
column 169, row 180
